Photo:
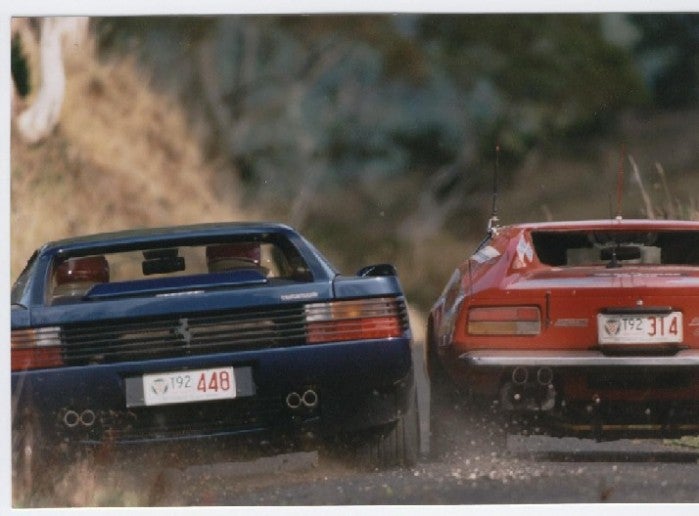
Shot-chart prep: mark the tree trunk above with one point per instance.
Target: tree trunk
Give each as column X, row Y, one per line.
column 40, row 118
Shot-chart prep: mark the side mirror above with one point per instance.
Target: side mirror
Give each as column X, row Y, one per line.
column 381, row 269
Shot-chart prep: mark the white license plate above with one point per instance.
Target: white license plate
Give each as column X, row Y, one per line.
column 639, row 328
column 189, row 386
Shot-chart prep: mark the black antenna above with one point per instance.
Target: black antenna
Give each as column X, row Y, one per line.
column 614, row 262
column 493, row 222
column 620, row 183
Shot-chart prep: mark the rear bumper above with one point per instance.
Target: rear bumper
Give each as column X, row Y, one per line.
column 585, row 382
column 574, row 359
column 359, row 385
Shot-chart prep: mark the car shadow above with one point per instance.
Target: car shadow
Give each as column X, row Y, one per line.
column 574, row 449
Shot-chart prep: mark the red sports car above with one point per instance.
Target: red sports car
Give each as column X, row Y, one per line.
column 591, row 325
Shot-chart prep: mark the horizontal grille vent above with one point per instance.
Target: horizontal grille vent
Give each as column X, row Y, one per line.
column 181, row 336
column 198, row 334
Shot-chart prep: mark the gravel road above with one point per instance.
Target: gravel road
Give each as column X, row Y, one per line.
column 471, row 463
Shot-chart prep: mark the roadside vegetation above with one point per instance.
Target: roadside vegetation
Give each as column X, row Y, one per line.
column 689, row 441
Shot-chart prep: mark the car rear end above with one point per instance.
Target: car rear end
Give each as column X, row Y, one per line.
column 226, row 353
column 610, row 345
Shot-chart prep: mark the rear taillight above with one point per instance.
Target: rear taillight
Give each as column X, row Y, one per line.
column 378, row 318
column 36, row 348
column 504, row 320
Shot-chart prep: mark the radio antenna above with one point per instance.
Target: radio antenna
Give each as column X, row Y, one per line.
column 493, row 222
column 620, row 183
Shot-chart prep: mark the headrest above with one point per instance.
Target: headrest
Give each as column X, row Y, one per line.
column 245, row 251
column 90, row 268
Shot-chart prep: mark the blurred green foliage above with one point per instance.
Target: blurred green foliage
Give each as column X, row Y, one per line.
column 367, row 95
column 668, row 52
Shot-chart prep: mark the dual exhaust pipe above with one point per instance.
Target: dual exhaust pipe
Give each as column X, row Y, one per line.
column 529, row 390
column 309, row 399
column 543, row 376
column 85, row 418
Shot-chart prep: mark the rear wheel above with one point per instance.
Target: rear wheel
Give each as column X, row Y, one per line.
column 397, row 445
column 440, row 383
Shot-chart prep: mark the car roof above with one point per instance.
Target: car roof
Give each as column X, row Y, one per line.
column 607, row 224
column 165, row 234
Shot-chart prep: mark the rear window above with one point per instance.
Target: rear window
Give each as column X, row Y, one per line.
column 271, row 262
column 580, row 248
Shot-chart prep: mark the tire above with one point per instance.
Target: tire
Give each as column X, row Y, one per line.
column 397, row 445
column 435, row 369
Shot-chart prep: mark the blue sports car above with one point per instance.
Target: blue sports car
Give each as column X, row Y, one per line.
column 202, row 331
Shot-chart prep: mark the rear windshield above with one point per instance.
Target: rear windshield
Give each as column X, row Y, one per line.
column 140, row 270
column 580, row 248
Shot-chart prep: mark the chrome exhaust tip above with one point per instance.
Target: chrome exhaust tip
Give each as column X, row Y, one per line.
column 71, row 418
column 293, row 400
column 544, row 376
column 310, row 398
column 520, row 375
column 87, row 418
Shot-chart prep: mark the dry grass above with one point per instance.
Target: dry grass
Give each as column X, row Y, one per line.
column 562, row 185
column 123, row 156
column 664, row 204
column 688, row 441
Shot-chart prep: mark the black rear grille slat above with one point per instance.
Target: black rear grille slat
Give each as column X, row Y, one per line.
column 190, row 334
column 197, row 334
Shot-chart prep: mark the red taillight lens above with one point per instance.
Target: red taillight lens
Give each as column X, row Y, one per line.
column 504, row 320
column 379, row 318
column 36, row 348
